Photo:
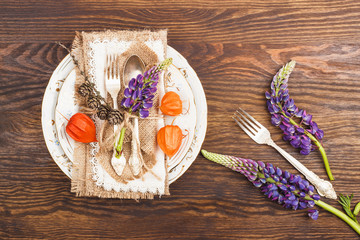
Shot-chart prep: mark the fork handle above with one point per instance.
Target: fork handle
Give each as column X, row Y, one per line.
column 116, row 127
column 323, row 187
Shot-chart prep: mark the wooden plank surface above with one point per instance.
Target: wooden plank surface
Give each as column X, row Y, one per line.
column 235, row 47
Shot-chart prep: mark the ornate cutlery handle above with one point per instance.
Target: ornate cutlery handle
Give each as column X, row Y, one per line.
column 323, row 187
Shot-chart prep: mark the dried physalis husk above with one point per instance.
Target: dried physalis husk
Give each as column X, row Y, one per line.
column 81, row 128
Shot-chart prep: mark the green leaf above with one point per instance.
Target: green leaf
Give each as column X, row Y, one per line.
column 357, row 209
column 345, row 202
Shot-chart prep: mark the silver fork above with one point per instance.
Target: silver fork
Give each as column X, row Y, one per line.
column 262, row 136
column 113, row 87
column 112, row 78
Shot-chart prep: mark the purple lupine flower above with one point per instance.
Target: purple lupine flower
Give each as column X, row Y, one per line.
column 288, row 190
column 295, row 123
column 138, row 96
column 280, row 104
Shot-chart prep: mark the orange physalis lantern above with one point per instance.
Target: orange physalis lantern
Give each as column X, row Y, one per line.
column 81, row 128
column 169, row 139
column 171, row 104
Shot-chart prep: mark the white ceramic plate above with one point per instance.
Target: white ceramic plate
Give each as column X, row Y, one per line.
column 182, row 79
column 65, row 108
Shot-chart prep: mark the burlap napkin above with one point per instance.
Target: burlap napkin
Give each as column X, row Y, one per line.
column 92, row 173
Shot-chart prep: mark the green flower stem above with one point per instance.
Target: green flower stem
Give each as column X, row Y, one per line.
column 340, row 215
column 321, row 149
column 118, row 147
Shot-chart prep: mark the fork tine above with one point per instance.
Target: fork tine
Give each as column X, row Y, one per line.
column 253, row 119
column 245, row 124
column 243, row 128
column 242, row 117
column 107, row 67
column 117, row 64
column 112, row 66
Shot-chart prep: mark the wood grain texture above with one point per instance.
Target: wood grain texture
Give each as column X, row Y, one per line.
column 235, row 47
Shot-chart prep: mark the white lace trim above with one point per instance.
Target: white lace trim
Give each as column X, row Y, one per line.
column 100, row 176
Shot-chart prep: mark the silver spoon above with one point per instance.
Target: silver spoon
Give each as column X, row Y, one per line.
column 133, row 67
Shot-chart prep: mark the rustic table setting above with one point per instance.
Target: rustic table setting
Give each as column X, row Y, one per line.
column 235, row 47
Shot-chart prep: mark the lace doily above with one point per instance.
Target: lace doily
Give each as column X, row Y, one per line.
column 96, row 56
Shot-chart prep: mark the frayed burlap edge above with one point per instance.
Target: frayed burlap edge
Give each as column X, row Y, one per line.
column 82, row 183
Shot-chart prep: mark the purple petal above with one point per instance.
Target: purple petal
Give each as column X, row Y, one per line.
column 267, row 95
column 319, row 134
column 272, row 85
column 276, row 178
column 155, row 77
column 285, row 119
column 305, row 140
column 286, row 97
column 302, row 194
column 314, row 126
column 127, row 102
column 128, row 92
column 316, row 197
column 261, row 164
column 276, row 119
column 270, row 108
column 298, row 112
column 257, row 183
column 147, row 104
column 122, row 102
column 286, row 174
column 150, row 97
column 303, row 205
column 153, row 90
column 291, row 129
column 292, row 197
column 295, row 143
column 136, row 107
column 140, row 96
column 284, row 86
column 311, row 188
column 276, row 108
column 314, row 214
column 287, row 137
column 144, row 113
column 305, row 151
column 132, row 84
column 306, row 118
column 154, row 84
column 139, row 78
column 310, row 204
column 147, row 74
column 301, row 186
column 300, row 130
column 134, row 94
column 306, row 183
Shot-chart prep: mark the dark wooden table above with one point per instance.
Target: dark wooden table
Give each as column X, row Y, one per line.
column 235, row 47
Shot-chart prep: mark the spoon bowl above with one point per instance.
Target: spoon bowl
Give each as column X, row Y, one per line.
column 133, row 67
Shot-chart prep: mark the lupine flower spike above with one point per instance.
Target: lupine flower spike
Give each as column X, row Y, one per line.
column 298, row 127
column 138, row 96
column 289, row 190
